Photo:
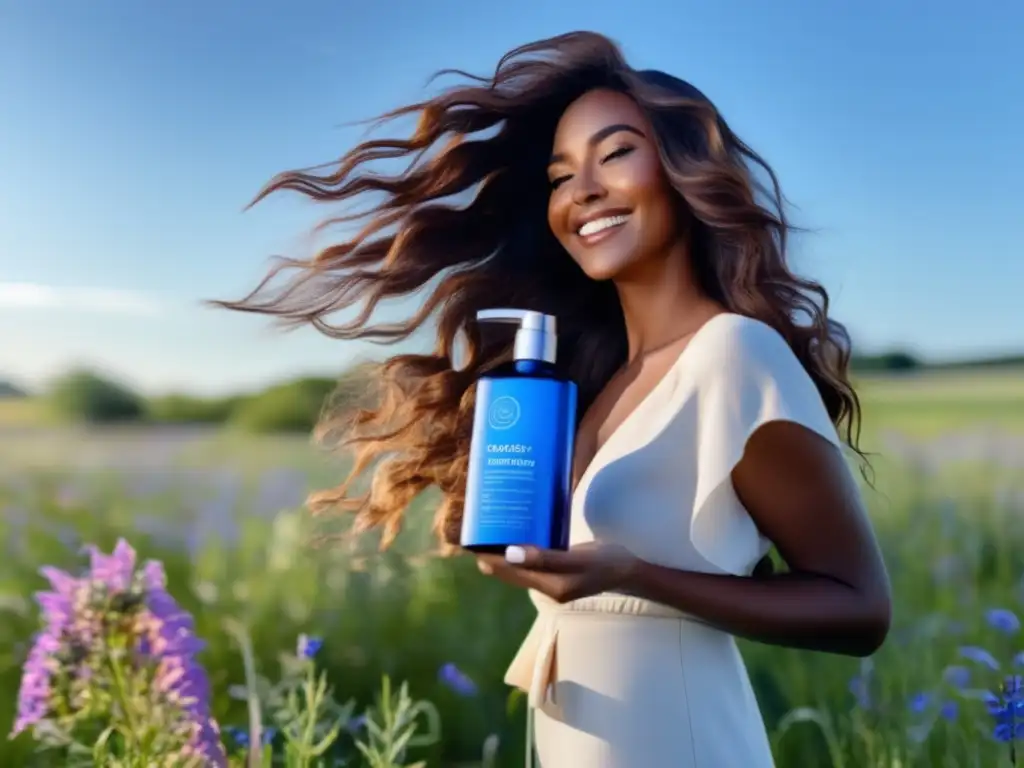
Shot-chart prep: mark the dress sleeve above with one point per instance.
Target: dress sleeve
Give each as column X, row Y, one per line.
column 747, row 376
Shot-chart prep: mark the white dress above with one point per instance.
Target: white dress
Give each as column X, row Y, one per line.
column 621, row 682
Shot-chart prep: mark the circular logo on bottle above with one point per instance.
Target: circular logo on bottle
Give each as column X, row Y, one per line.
column 504, row 412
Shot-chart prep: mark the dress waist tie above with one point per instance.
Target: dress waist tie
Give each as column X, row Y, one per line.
column 534, row 669
column 535, row 666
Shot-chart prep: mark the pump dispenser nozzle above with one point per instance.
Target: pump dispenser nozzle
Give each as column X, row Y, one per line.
column 536, row 336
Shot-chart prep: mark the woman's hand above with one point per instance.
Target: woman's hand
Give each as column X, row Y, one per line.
column 582, row 571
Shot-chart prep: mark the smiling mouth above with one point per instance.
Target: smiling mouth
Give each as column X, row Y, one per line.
column 601, row 226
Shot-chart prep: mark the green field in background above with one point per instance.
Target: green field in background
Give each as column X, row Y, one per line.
column 928, row 403
column 222, row 509
column 920, row 403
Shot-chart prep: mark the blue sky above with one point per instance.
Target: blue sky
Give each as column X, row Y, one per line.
column 133, row 133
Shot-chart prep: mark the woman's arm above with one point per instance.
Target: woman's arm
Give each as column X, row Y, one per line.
column 836, row 595
column 798, row 489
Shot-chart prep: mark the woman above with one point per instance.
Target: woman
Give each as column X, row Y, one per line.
column 620, row 201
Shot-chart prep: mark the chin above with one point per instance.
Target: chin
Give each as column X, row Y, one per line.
column 608, row 268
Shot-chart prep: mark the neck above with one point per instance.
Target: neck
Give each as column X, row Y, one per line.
column 662, row 302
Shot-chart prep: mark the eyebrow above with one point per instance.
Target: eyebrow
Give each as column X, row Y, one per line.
column 600, row 136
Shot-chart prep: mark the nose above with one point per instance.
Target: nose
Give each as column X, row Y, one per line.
column 587, row 188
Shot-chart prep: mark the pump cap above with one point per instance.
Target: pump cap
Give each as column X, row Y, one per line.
column 536, row 337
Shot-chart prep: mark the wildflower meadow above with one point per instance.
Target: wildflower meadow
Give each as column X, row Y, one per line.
column 168, row 602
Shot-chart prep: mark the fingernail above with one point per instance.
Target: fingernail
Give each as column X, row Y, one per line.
column 515, row 555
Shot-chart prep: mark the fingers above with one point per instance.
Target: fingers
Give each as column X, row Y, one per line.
column 560, row 587
column 488, row 564
column 549, row 560
column 496, row 567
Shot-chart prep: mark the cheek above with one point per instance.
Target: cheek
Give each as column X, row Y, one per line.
column 652, row 197
column 641, row 181
column 558, row 215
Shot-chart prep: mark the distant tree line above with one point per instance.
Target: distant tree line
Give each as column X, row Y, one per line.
column 87, row 397
column 889, row 361
column 296, row 406
column 899, row 360
column 8, row 390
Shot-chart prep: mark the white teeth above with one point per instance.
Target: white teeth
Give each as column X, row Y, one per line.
column 598, row 225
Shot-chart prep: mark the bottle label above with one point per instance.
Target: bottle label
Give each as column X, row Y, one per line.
column 519, row 462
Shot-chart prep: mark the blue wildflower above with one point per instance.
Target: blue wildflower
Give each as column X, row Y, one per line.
column 861, row 692
column 1007, row 709
column 241, row 736
column 860, row 684
column 979, row 656
column 919, row 702
column 926, row 709
column 308, row 647
column 957, row 676
column 1002, row 619
column 457, row 680
column 859, row 688
column 949, row 710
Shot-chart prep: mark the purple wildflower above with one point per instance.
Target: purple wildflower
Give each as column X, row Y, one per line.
column 949, row 710
column 115, row 571
column 167, row 633
column 58, row 609
column 35, row 693
column 114, row 602
column 457, row 680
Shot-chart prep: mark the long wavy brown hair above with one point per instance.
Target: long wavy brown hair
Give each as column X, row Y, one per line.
column 463, row 223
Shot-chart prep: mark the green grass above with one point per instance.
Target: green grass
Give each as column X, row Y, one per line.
column 22, row 411
column 952, row 532
column 929, row 403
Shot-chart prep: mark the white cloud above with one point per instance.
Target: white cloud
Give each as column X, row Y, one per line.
column 78, row 298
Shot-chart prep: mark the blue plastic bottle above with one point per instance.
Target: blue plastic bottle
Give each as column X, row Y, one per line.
column 524, row 430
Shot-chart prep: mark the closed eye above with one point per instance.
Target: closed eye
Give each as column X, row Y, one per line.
column 620, row 152
column 614, row 155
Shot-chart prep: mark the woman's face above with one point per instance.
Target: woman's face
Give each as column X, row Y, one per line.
column 611, row 206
